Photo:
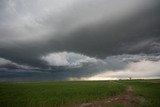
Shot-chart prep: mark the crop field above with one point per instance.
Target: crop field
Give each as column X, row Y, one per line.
column 148, row 90
column 74, row 93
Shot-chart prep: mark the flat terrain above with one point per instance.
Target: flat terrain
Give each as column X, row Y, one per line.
column 121, row 93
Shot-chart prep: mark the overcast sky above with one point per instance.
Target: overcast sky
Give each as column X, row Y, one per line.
column 45, row 40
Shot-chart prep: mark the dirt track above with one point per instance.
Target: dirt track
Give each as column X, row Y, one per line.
column 127, row 98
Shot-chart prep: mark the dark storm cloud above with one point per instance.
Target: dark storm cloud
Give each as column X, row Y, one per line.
column 133, row 35
column 113, row 67
column 94, row 28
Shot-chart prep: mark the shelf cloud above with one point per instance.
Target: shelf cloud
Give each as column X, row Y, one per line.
column 87, row 38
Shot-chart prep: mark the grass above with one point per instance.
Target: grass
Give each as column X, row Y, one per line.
column 148, row 91
column 57, row 94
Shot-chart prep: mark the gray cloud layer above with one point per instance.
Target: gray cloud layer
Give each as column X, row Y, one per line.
column 30, row 30
column 72, row 67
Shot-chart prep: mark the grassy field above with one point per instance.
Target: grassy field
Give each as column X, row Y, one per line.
column 147, row 90
column 56, row 94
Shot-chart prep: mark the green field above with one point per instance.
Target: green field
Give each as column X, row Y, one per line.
column 66, row 94
column 148, row 90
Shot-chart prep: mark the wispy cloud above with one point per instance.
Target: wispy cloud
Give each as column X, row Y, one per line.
column 7, row 64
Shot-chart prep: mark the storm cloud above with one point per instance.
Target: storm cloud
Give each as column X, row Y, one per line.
column 78, row 35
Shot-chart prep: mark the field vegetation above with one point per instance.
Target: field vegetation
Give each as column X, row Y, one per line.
column 74, row 93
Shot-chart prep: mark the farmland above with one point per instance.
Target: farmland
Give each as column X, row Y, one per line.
column 74, row 93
